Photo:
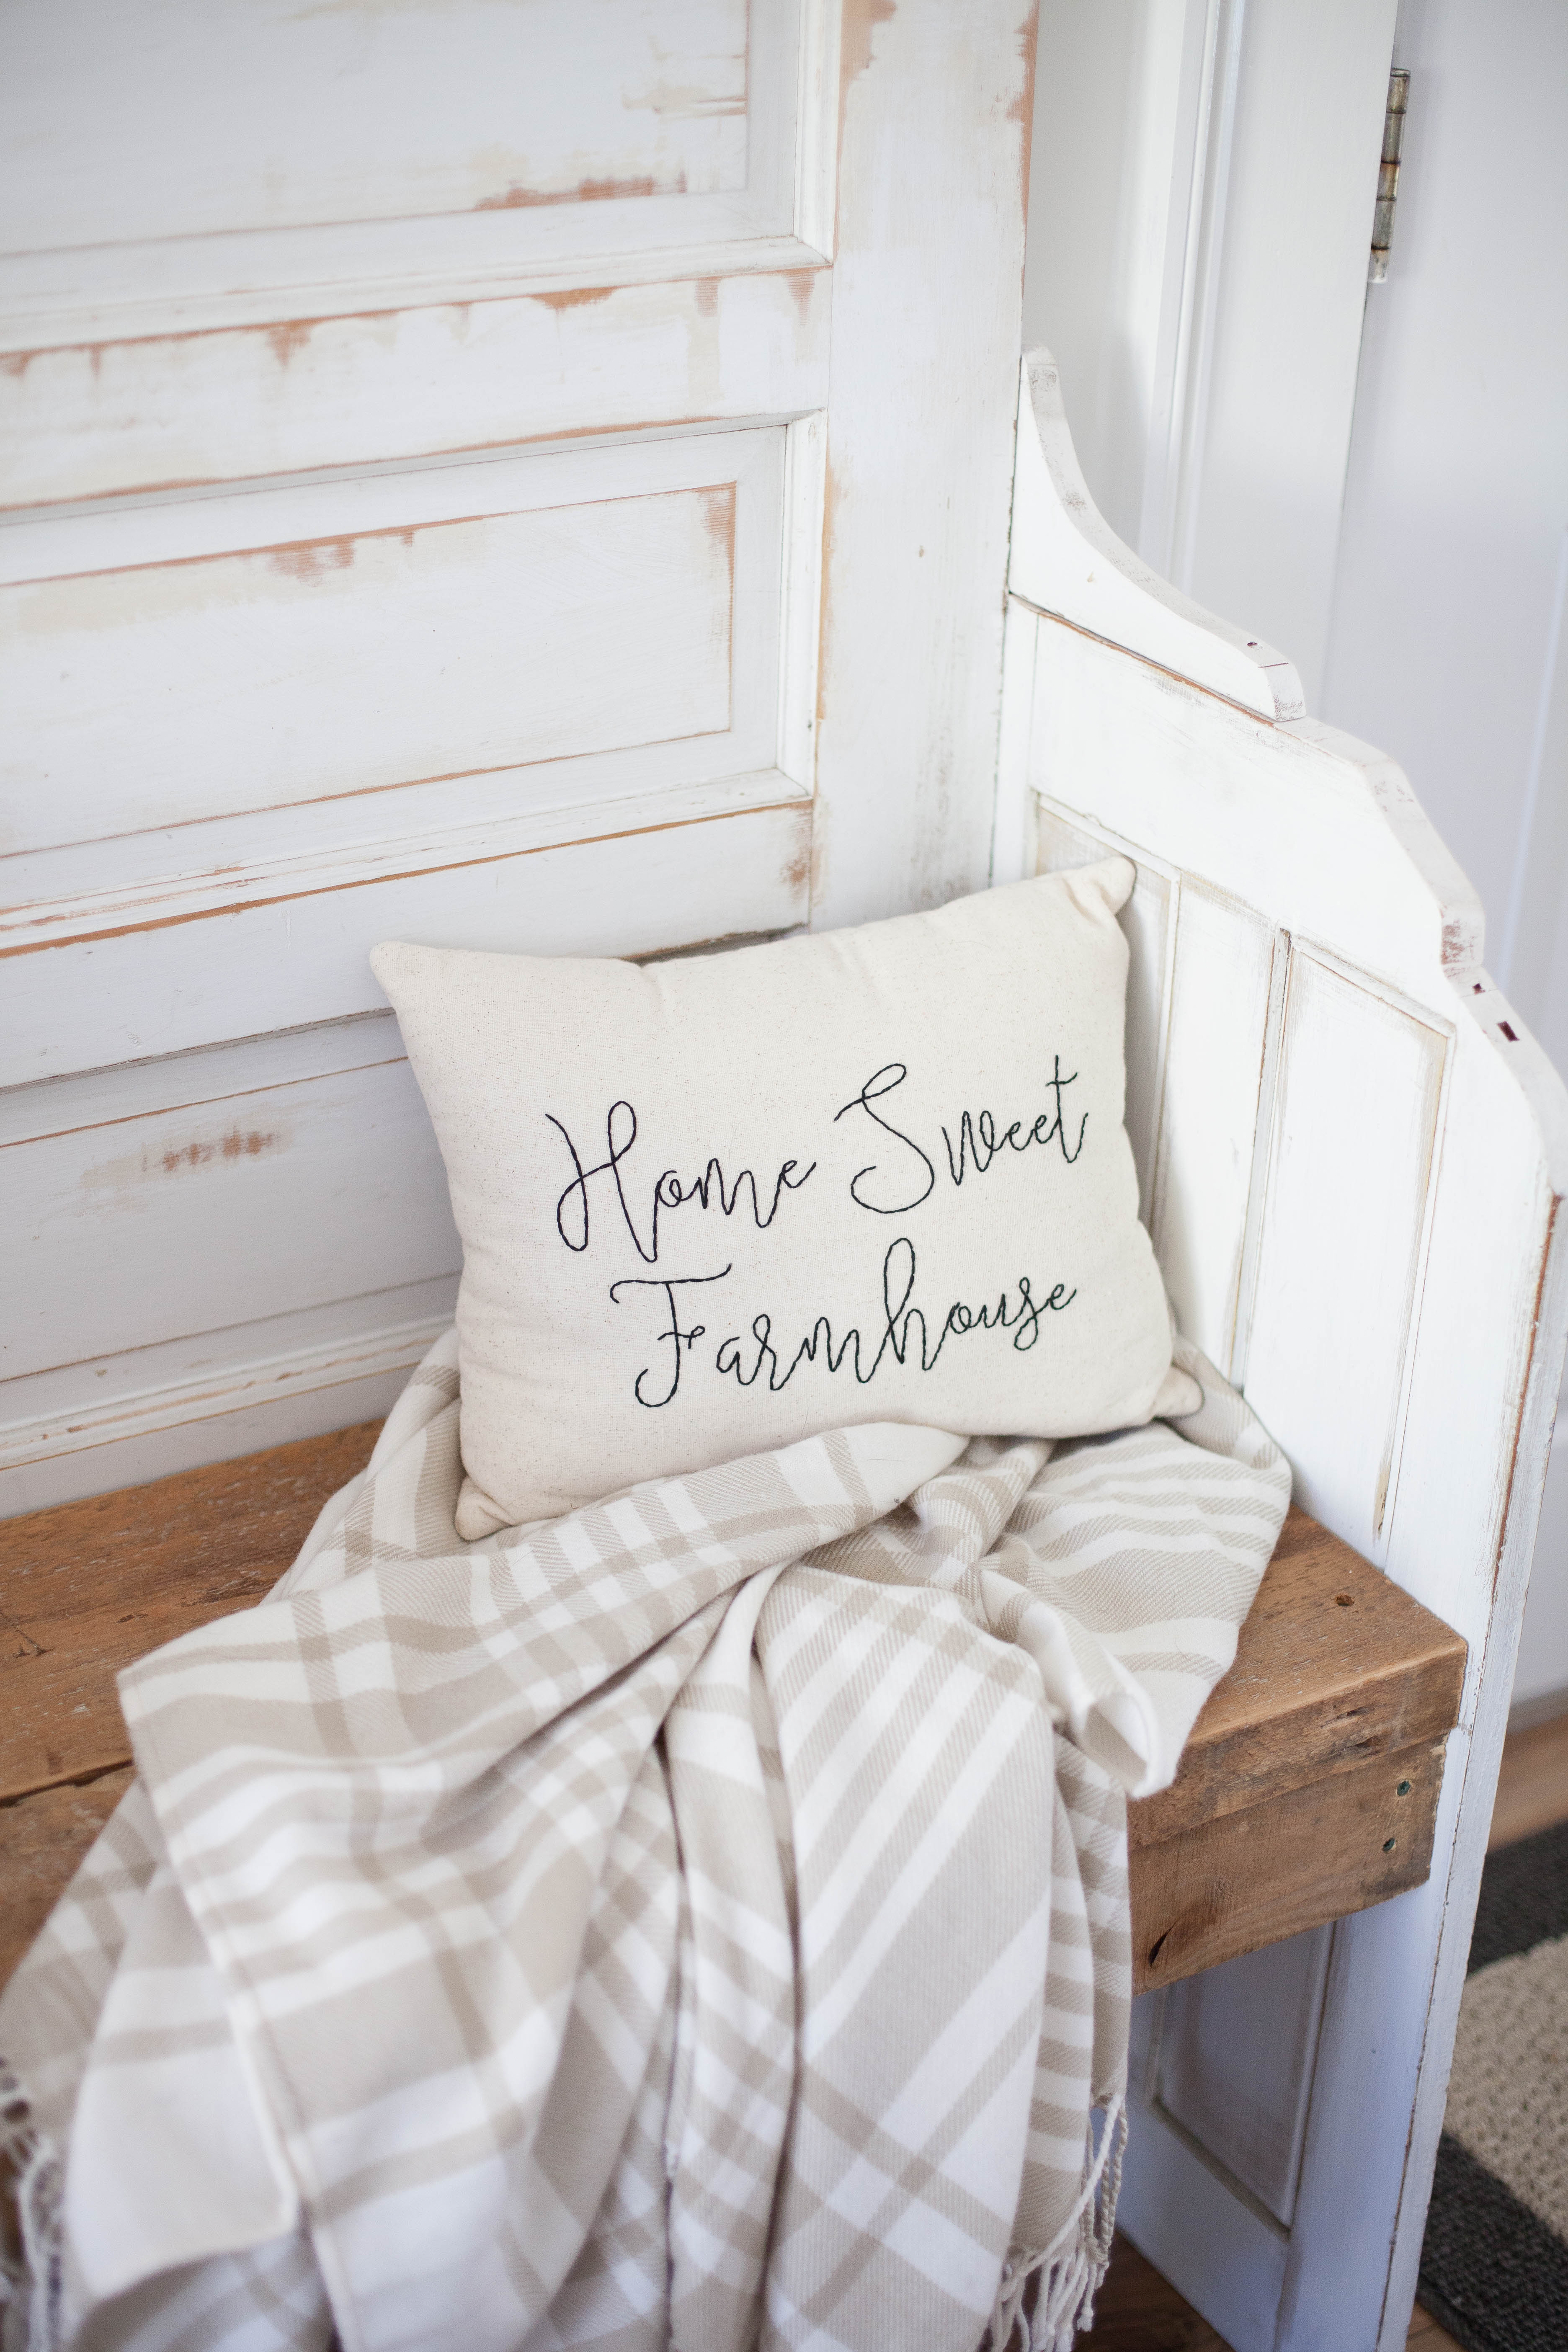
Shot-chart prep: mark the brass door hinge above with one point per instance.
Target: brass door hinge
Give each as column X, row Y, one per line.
column 1388, row 174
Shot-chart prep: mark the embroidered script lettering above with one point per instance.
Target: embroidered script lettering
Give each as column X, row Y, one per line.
column 668, row 1192
column 897, row 1181
column 979, row 1143
column 881, row 1083
column 899, row 1321
column 673, row 1334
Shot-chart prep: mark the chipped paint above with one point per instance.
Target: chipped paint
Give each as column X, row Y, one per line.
column 573, row 298
column 1464, row 938
column 802, row 284
column 586, row 192
column 128, row 1171
column 235, row 1144
column 857, row 44
column 310, row 559
column 688, row 101
column 610, row 425
column 1021, row 111
column 297, row 559
column 719, row 521
column 288, row 336
column 142, row 373
column 393, row 873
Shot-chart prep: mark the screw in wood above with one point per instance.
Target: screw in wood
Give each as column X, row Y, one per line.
column 1402, row 1788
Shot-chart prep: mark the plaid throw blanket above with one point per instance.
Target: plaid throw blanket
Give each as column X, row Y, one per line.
column 701, row 1920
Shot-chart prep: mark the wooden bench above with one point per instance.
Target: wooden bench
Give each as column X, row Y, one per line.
column 1308, row 1789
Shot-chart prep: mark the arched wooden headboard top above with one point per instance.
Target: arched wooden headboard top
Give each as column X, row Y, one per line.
column 1346, row 846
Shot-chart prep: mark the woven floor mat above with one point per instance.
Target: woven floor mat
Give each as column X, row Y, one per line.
column 1494, row 2268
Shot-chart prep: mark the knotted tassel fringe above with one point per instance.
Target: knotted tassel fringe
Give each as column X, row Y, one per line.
column 1047, row 2299
column 30, row 2286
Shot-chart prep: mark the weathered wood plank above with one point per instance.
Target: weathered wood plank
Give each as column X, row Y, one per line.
column 1305, row 1855
column 1308, row 1789
column 1335, row 1664
column 1322, row 1743
column 87, row 1587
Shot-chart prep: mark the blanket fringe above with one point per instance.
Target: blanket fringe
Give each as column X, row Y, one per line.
column 1047, row 2299
column 30, row 2275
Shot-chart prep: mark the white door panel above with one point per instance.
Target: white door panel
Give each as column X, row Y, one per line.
column 524, row 474
column 316, row 1134
column 262, row 160
column 196, row 120
column 231, row 656
column 660, row 879
column 435, row 381
column 1233, row 2064
column 332, row 1185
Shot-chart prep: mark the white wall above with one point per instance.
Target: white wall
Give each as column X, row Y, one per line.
column 1449, row 615
column 1200, row 208
column 1200, row 214
column 1445, row 641
column 1114, row 125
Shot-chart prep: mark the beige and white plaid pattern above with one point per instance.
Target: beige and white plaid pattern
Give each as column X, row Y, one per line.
column 699, row 1921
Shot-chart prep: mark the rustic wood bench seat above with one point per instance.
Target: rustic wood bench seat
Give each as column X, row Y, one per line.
column 1308, row 1789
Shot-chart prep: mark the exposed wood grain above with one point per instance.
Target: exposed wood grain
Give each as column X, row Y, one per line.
column 193, row 1547
column 88, row 1586
column 1336, row 1846
column 1533, row 1786
column 1335, row 1664
column 42, row 1840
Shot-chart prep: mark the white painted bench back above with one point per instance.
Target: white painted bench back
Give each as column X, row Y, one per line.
column 500, row 472
column 1352, row 1159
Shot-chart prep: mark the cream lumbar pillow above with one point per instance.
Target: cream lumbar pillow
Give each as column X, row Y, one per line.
column 716, row 1205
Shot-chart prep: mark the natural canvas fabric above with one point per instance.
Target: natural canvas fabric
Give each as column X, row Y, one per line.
column 700, row 1922
column 715, row 1205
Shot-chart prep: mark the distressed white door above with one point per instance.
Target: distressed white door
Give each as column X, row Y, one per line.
column 515, row 473
column 1353, row 1159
